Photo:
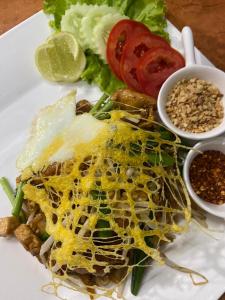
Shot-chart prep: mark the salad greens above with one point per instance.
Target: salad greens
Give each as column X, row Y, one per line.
column 149, row 12
column 98, row 72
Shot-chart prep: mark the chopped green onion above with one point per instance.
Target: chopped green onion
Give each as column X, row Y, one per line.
column 7, row 189
column 107, row 107
column 18, row 200
column 100, row 109
column 99, row 104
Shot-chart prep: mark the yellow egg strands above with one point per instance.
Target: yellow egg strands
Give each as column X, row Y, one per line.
column 110, row 198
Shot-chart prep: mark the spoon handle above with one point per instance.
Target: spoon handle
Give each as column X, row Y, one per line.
column 188, row 42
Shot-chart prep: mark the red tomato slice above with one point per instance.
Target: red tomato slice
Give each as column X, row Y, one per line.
column 133, row 50
column 156, row 66
column 118, row 38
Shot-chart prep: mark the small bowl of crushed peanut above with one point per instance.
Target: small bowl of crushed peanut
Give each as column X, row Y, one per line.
column 191, row 102
column 204, row 175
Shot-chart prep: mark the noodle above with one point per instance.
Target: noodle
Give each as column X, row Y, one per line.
column 115, row 194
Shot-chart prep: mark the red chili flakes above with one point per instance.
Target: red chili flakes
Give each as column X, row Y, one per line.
column 207, row 175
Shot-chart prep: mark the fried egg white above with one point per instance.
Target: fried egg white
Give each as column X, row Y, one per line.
column 55, row 133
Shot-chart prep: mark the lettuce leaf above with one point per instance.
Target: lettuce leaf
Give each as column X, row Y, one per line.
column 149, row 12
column 99, row 73
column 152, row 14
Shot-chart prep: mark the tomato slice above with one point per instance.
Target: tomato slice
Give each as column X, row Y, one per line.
column 134, row 49
column 118, row 37
column 156, row 66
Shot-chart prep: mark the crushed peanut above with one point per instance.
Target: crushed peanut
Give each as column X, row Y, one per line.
column 195, row 105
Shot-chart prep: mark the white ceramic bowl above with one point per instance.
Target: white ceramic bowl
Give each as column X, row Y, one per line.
column 215, row 144
column 210, row 74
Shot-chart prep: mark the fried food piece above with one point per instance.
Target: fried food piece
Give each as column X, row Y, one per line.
column 103, row 280
column 83, row 106
column 28, row 239
column 30, row 207
column 8, row 225
column 116, row 275
column 38, row 223
column 53, row 169
column 135, row 103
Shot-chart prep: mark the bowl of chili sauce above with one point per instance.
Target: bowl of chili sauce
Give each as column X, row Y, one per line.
column 204, row 175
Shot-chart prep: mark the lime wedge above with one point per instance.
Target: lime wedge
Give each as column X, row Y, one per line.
column 60, row 58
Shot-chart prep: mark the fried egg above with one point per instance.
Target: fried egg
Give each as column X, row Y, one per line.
column 55, row 133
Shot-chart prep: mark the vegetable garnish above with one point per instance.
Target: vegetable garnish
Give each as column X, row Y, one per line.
column 118, row 38
column 155, row 66
column 152, row 13
column 134, row 50
column 118, row 33
column 60, row 58
column 91, row 22
column 99, row 73
column 142, row 59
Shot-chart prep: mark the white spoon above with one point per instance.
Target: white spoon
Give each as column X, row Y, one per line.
column 191, row 70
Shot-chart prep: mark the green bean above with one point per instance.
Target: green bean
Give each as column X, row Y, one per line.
column 104, row 225
column 44, row 236
column 18, row 200
column 139, row 257
column 98, row 194
column 7, row 189
column 166, row 135
column 135, row 149
column 105, row 210
column 102, row 116
column 138, row 271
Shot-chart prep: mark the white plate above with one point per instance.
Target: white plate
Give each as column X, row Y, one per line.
column 22, row 93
